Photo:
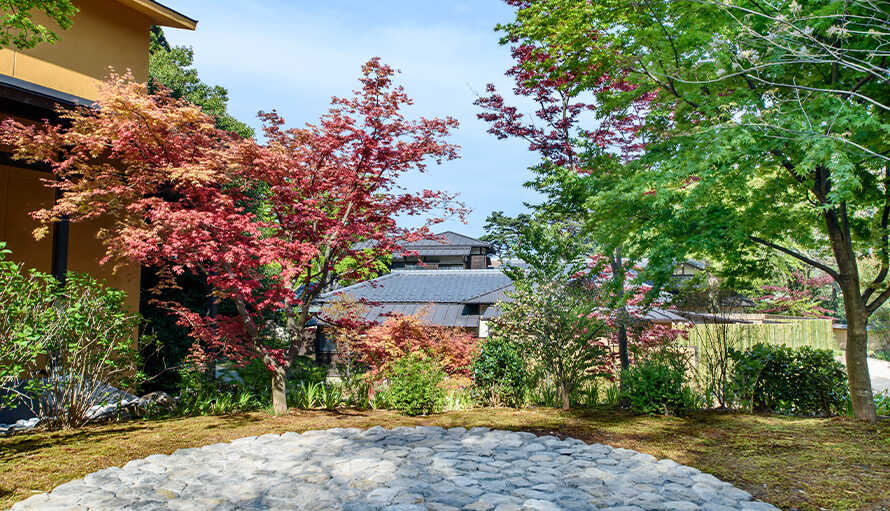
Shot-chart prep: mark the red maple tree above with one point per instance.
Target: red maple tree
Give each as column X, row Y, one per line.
column 269, row 225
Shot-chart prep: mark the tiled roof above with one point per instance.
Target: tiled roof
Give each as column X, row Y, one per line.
column 427, row 286
column 448, row 238
column 439, row 251
column 440, row 314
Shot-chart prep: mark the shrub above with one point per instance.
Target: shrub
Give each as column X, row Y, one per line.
column 656, row 386
column 778, row 378
column 308, row 395
column 415, row 385
column 557, row 326
column 304, row 369
column 882, row 403
column 400, row 335
column 500, row 374
column 27, row 324
column 201, row 395
column 70, row 344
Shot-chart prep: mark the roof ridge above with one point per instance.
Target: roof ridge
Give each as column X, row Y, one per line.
column 490, row 292
column 356, row 285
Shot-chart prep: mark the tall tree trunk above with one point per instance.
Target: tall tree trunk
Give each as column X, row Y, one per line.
column 617, row 264
column 856, row 314
column 622, row 346
column 279, row 393
column 857, row 355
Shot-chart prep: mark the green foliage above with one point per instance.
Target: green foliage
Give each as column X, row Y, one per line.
column 555, row 326
column 172, row 68
column 415, row 385
column 765, row 129
column 64, row 342
column 500, row 374
column 504, row 232
column 545, row 394
column 304, row 369
column 201, row 395
column 458, row 399
column 308, row 395
column 657, row 386
column 777, row 378
column 27, row 327
column 18, row 29
column 882, row 403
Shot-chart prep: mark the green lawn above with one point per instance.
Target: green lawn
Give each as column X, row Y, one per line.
column 794, row 463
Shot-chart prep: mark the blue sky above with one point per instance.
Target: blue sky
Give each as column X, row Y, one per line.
column 294, row 55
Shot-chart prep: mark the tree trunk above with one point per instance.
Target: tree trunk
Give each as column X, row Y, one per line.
column 564, row 396
column 857, row 355
column 622, row 347
column 279, row 390
column 617, row 265
column 855, row 311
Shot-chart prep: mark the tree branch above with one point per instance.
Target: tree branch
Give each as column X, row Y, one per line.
column 812, row 262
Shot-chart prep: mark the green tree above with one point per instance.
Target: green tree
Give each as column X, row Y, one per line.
column 19, row 31
column 172, row 67
column 767, row 130
column 555, row 325
column 503, row 231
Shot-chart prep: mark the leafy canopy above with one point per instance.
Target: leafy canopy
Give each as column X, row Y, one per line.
column 19, row 31
column 172, row 67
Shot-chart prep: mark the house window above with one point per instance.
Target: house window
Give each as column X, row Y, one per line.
column 471, row 309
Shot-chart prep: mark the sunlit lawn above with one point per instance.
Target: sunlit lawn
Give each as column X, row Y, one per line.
column 793, row 463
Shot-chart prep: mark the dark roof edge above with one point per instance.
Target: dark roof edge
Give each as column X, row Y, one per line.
column 46, row 94
column 193, row 20
column 477, row 241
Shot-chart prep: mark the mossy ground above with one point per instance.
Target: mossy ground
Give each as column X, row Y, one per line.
column 793, row 463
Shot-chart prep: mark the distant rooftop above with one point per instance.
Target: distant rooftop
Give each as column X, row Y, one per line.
column 449, row 238
column 439, row 286
column 446, row 243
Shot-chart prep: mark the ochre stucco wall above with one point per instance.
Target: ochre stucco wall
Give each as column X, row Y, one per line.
column 20, row 193
column 104, row 33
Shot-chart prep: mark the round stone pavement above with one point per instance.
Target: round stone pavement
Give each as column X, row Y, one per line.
column 403, row 469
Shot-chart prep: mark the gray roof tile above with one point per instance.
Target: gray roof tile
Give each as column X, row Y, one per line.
column 426, row 286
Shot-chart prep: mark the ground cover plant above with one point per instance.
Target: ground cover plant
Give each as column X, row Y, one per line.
column 807, row 464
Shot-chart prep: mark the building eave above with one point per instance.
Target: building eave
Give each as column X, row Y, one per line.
column 162, row 15
column 32, row 101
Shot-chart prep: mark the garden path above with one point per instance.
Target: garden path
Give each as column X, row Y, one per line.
column 880, row 374
column 403, row 469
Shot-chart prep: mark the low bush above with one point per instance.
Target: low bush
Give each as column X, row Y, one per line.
column 500, row 374
column 882, row 403
column 400, row 335
column 415, row 385
column 309, row 395
column 65, row 349
column 803, row 381
column 655, row 386
column 201, row 395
